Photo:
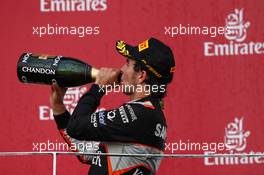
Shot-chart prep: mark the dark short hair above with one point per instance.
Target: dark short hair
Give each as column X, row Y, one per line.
column 152, row 81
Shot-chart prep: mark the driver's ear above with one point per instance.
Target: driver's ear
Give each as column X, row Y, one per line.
column 142, row 76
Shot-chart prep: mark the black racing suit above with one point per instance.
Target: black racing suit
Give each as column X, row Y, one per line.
column 136, row 127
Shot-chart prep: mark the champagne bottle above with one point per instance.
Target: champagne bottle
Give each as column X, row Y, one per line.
column 44, row 69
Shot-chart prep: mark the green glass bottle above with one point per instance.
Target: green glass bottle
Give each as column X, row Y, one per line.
column 44, row 69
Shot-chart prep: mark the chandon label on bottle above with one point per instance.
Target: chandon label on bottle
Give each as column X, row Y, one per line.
column 38, row 70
